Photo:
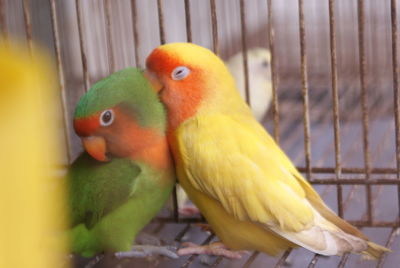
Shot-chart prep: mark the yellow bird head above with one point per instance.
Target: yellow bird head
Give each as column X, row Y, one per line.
column 188, row 78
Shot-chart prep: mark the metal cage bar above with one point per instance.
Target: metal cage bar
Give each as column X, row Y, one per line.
column 364, row 102
column 251, row 259
column 161, row 21
column 343, row 260
column 188, row 21
column 275, row 100
column 396, row 96
column 304, row 82
column 28, row 23
column 61, row 77
column 135, row 31
column 214, row 26
column 3, row 23
column 244, row 50
column 313, row 261
column 82, row 46
column 110, row 52
column 388, row 244
column 335, row 98
column 283, row 258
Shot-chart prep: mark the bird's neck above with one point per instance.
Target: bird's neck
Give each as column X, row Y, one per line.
column 182, row 103
column 156, row 154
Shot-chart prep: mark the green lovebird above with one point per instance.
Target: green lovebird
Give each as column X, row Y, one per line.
column 126, row 174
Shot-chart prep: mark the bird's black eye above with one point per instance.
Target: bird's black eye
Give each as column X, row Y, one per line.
column 106, row 118
column 180, row 73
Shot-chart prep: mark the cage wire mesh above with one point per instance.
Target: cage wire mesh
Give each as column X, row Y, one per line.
column 335, row 104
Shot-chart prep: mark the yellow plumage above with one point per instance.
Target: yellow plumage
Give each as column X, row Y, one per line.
column 231, row 168
column 31, row 199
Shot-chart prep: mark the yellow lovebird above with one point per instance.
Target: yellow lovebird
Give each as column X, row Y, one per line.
column 32, row 201
column 246, row 187
column 260, row 82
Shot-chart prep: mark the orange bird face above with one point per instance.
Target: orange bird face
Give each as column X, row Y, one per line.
column 185, row 75
column 113, row 132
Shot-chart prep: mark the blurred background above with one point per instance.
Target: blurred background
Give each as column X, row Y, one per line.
column 335, row 81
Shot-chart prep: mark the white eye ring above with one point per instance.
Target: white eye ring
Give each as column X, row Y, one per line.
column 180, row 73
column 106, row 118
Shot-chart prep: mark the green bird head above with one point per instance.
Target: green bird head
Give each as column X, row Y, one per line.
column 120, row 116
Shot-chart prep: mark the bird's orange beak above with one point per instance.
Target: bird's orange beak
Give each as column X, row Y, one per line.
column 153, row 80
column 96, row 147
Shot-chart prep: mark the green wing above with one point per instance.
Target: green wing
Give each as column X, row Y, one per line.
column 97, row 188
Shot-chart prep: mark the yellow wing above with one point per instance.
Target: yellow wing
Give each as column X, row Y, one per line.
column 239, row 164
column 234, row 160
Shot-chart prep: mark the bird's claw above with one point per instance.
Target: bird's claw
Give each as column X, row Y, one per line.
column 141, row 251
column 216, row 249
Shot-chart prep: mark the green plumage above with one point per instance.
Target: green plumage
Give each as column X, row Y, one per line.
column 124, row 86
column 91, row 195
column 110, row 202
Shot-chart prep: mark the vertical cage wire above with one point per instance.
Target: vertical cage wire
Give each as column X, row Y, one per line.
column 271, row 44
column 313, row 261
column 82, row 46
column 244, row 51
column 28, row 23
column 214, row 26
column 343, row 260
column 396, row 73
column 335, row 98
column 161, row 21
column 364, row 102
column 3, row 26
column 251, row 259
column 283, row 258
column 135, row 31
column 304, row 82
column 61, row 78
column 388, row 244
column 110, row 51
column 396, row 100
column 188, row 21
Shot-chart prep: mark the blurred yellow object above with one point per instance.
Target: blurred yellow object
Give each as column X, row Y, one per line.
column 30, row 196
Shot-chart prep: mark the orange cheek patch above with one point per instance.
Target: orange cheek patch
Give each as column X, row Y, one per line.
column 183, row 98
column 86, row 126
column 145, row 144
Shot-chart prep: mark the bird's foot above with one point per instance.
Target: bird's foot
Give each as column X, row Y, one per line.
column 141, row 251
column 216, row 249
column 189, row 210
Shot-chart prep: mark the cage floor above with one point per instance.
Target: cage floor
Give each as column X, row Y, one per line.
column 383, row 203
